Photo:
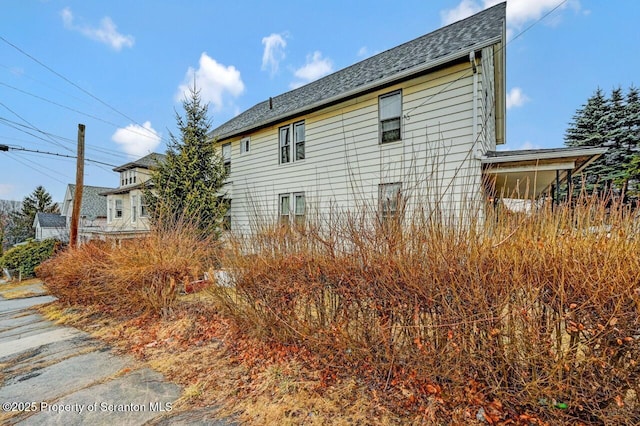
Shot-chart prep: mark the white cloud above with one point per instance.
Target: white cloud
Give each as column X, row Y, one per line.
column 516, row 98
column 6, row 189
column 274, row 45
column 363, row 52
column 316, row 67
column 136, row 140
column 465, row 9
column 529, row 145
column 214, row 80
column 106, row 33
column 519, row 12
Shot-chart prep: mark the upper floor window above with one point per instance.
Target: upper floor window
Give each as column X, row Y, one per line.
column 245, row 145
column 390, row 110
column 118, row 208
column 226, row 157
column 291, row 142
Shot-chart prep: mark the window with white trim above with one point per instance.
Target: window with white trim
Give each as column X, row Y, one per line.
column 143, row 206
column 134, row 208
column 118, row 208
column 292, row 208
column 390, row 199
column 245, row 145
column 390, row 112
column 226, row 157
column 291, row 140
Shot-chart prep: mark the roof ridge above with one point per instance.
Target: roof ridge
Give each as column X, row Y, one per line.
column 483, row 26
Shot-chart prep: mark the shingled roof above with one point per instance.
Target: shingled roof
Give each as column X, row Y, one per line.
column 148, row 161
column 50, row 220
column 447, row 43
column 94, row 204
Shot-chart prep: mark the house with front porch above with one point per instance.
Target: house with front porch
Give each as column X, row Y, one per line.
column 419, row 122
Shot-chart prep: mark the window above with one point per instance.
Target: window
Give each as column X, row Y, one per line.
column 298, row 136
column 134, row 208
column 285, row 209
column 226, row 219
column 110, row 212
column 299, row 208
column 390, row 110
column 245, row 145
column 390, row 196
column 292, row 211
column 292, row 151
column 226, row 157
column 143, row 206
column 118, row 208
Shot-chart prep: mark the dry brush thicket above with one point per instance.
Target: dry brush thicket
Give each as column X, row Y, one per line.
column 531, row 317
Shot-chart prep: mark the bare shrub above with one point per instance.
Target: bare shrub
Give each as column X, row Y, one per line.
column 142, row 274
column 530, row 316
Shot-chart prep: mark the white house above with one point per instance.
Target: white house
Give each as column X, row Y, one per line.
column 125, row 205
column 93, row 211
column 421, row 120
column 50, row 225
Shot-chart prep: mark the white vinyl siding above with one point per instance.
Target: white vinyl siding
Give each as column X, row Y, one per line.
column 345, row 161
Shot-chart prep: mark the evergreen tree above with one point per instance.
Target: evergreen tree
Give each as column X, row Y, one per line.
column 187, row 185
column 610, row 123
column 38, row 201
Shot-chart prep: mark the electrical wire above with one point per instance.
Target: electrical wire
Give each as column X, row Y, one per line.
column 72, row 83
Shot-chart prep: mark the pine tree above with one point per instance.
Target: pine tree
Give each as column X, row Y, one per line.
column 612, row 123
column 186, row 186
column 38, row 201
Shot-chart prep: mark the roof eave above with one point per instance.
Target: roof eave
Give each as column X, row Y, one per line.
column 578, row 152
column 365, row 88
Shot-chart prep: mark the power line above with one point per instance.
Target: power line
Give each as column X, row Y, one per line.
column 31, row 126
column 146, row 135
column 504, row 46
column 70, row 82
column 19, row 148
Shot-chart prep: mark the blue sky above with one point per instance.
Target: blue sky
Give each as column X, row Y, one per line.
column 120, row 67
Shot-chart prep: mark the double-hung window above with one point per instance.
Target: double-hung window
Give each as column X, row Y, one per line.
column 390, row 111
column 143, row 206
column 226, row 157
column 291, row 140
column 390, row 196
column 292, row 208
column 134, row 208
column 118, row 208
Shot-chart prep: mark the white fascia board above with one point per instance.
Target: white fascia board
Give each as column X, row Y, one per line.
column 579, row 152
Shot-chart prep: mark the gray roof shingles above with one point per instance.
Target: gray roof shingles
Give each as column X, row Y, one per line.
column 94, row 204
column 481, row 28
column 148, row 161
column 51, row 220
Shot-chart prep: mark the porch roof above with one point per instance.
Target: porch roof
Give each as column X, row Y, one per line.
column 530, row 173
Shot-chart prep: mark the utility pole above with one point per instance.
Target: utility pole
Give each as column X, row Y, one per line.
column 77, row 197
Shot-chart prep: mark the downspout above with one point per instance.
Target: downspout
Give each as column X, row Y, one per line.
column 476, row 149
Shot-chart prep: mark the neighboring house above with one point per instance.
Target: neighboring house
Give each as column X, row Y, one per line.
column 126, row 208
column 93, row 211
column 50, row 225
column 420, row 122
